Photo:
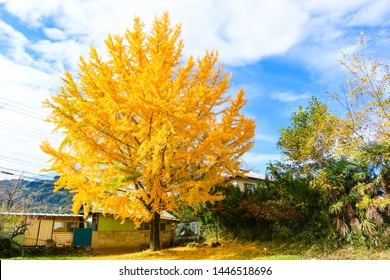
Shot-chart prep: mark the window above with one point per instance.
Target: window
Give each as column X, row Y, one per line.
column 146, row 226
column 249, row 187
column 65, row 226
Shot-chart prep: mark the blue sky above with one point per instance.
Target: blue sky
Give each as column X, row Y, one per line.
column 281, row 52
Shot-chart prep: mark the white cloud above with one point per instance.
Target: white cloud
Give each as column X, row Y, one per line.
column 242, row 33
column 10, row 35
column 14, row 43
column 263, row 137
column 259, row 161
column 356, row 12
column 260, row 157
column 374, row 13
column 311, row 32
column 289, row 96
column 19, row 79
column 21, row 136
column 32, row 11
column 334, row 26
column 246, row 32
column 54, row 34
column 265, row 133
column 22, row 91
column 60, row 55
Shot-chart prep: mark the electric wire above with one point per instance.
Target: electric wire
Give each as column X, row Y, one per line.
column 5, row 127
column 27, row 133
column 5, row 170
column 23, row 112
column 22, row 109
column 19, row 104
column 23, row 162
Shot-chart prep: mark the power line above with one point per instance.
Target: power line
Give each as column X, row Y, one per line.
column 15, row 177
column 11, row 176
column 26, row 111
column 24, row 177
column 13, row 125
column 26, row 132
column 23, row 109
column 19, row 104
column 23, row 162
column 12, row 171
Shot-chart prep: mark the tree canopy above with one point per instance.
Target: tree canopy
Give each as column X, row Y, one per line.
column 311, row 139
column 146, row 131
column 346, row 157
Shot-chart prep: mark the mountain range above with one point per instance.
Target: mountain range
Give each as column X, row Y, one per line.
column 35, row 196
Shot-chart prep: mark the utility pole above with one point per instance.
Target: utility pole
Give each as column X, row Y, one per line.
column 9, row 194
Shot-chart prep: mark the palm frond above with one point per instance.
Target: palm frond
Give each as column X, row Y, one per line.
column 373, row 215
column 341, row 227
column 336, row 208
column 368, row 227
column 355, row 224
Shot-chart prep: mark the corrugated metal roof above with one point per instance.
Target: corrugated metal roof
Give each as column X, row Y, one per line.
column 249, row 174
column 41, row 214
column 168, row 216
column 254, row 175
column 165, row 215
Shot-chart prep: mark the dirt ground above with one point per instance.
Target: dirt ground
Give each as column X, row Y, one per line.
column 232, row 250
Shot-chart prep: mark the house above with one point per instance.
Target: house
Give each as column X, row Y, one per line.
column 43, row 228
column 103, row 231
column 97, row 231
column 248, row 182
column 111, row 233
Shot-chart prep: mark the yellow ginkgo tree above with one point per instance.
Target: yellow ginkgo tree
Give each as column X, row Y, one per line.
column 144, row 130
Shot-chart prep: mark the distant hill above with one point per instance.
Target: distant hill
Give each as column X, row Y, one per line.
column 38, row 196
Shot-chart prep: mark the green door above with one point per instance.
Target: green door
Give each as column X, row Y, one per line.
column 82, row 237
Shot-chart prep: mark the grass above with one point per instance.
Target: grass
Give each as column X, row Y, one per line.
column 231, row 250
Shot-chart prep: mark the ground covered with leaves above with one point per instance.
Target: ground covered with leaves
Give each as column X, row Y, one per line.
column 227, row 250
column 233, row 250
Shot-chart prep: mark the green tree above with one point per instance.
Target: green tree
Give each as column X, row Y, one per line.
column 366, row 100
column 366, row 95
column 12, row 225
column 312, row 138
column 317, row 147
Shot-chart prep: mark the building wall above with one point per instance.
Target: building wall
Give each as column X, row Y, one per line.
column 169, row 226
column 110, row 233
column 108, row 223
column 132, row 240
column 63, row 239
column 38, row 231
column 241, row 182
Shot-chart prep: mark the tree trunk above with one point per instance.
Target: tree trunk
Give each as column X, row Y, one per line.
column 155, row 244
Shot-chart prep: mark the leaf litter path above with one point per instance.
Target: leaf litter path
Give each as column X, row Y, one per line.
column 229, row 250
column 233, row 250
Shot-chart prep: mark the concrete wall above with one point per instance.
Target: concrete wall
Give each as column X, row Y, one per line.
column 132, row 240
